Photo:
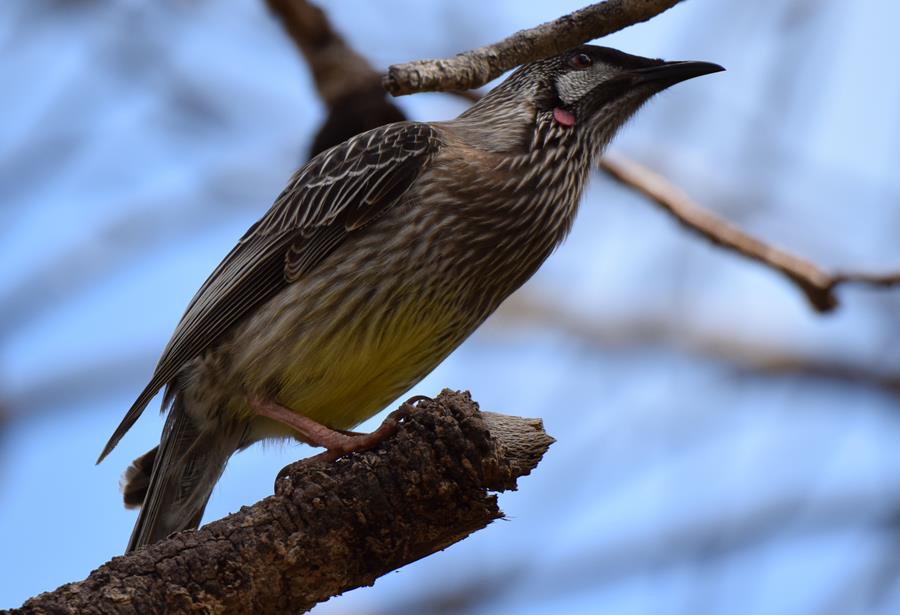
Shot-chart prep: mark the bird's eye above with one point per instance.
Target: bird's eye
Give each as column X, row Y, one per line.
column 580, row 61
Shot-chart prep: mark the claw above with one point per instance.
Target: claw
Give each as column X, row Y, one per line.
column 336, row 443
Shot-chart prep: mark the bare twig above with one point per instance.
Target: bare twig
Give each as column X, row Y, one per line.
column 881, row 280
column 329, row 527
column 817, row 284
column 474, row 68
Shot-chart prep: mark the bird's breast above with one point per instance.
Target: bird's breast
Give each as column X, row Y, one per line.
column 508, row 212
column 373, row 319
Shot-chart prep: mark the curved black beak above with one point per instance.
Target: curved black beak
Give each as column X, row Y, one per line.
column 670, row 73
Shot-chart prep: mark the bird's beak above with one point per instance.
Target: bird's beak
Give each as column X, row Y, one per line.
column 670, row 73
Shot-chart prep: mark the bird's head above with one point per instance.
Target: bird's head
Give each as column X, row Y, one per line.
column 589, row 89
column 590, row 84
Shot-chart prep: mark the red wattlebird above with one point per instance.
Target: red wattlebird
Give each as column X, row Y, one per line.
column 379, row 258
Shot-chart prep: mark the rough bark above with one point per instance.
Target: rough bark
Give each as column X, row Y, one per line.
column 474, row 68
column 329, row 527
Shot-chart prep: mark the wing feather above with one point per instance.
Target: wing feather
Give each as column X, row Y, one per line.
column 334, row 194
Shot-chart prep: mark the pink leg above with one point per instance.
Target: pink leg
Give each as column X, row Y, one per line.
column 336, row 443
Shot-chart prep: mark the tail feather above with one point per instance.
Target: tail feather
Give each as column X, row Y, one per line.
column 136, row 481
column 185, row 467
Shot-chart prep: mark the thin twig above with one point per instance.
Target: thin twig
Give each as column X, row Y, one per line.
column 474, row 68
column 817, row 284
column 882, row 280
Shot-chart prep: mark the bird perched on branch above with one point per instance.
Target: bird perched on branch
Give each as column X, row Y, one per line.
column 379, row 258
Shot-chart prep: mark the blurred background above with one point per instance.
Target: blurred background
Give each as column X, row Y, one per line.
column 721, row 448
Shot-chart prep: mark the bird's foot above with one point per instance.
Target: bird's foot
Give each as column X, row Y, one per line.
column 336, row 443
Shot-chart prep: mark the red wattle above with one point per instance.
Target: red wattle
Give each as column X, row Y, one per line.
column 563, row 117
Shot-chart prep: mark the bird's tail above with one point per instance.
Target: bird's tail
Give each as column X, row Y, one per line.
column 175, row 479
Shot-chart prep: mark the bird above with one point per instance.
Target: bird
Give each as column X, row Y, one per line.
column 379, row 258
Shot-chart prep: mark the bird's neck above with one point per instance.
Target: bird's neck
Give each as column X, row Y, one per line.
column 516, row 199
column 495, row 124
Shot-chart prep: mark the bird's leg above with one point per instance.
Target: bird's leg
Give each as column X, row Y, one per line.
column 337, row 443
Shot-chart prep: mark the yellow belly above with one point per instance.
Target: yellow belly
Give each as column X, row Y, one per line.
column 359, row 377
column 342, row 375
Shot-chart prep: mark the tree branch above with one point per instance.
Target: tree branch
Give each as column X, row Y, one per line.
column 329, row 527
column 337, row 68
column 346, row 82
column 474, row 68
column 817, row 284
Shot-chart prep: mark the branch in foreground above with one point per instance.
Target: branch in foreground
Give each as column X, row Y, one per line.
column 818, row 285
column 329, row 528
column 474, row 68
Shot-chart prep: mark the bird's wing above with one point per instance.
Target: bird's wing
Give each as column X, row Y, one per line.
column 334, row 194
